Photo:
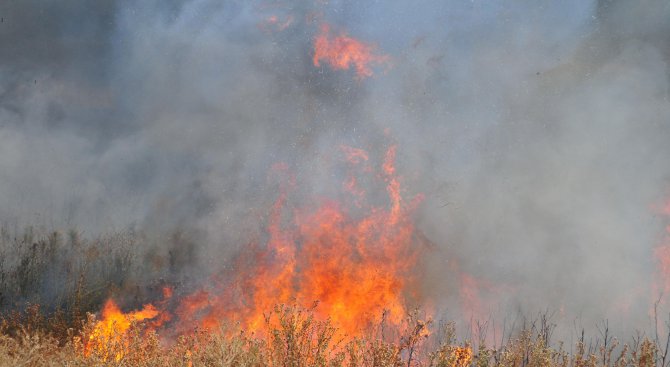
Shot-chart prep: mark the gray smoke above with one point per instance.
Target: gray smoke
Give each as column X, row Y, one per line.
column 538, row 131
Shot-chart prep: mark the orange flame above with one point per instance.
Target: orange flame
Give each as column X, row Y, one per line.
column 355, row 267
column 463, row 356
column 343, row 52
column 357, row 264
column 109, row 335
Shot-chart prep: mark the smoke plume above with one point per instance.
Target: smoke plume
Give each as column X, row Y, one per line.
column 538, row 132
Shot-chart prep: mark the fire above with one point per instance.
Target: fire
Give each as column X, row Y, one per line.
column 357, row 267
column 351, row 264
column 454, row 356
column 109, row 335
column 463, row 356
column 343, row 52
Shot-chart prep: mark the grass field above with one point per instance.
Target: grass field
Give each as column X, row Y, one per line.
column 53, row 286
column 295, row 338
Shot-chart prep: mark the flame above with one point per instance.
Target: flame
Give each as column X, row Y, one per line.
column 358, row 267
column 343, row 52
column 463, row 356
column 109, row 335
column 354, row 264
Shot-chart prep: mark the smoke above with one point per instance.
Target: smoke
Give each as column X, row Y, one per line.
column 537, row 132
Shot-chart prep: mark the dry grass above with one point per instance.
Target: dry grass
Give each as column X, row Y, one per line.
column 69, row 276
column 295, row 338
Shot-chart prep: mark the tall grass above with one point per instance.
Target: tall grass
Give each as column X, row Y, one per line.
column 295, row 338
column 67, row 272
column 51, row 283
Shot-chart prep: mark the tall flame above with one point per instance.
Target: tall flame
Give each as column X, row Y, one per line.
column 343, row 52
column 356, row 268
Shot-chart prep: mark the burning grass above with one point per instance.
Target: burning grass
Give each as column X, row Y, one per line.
column 79, row 332
column 296, row 337
column 355, row 265
column 330, row 284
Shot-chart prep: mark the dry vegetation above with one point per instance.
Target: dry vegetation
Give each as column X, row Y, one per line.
column 69, row 277
column 295, row 338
